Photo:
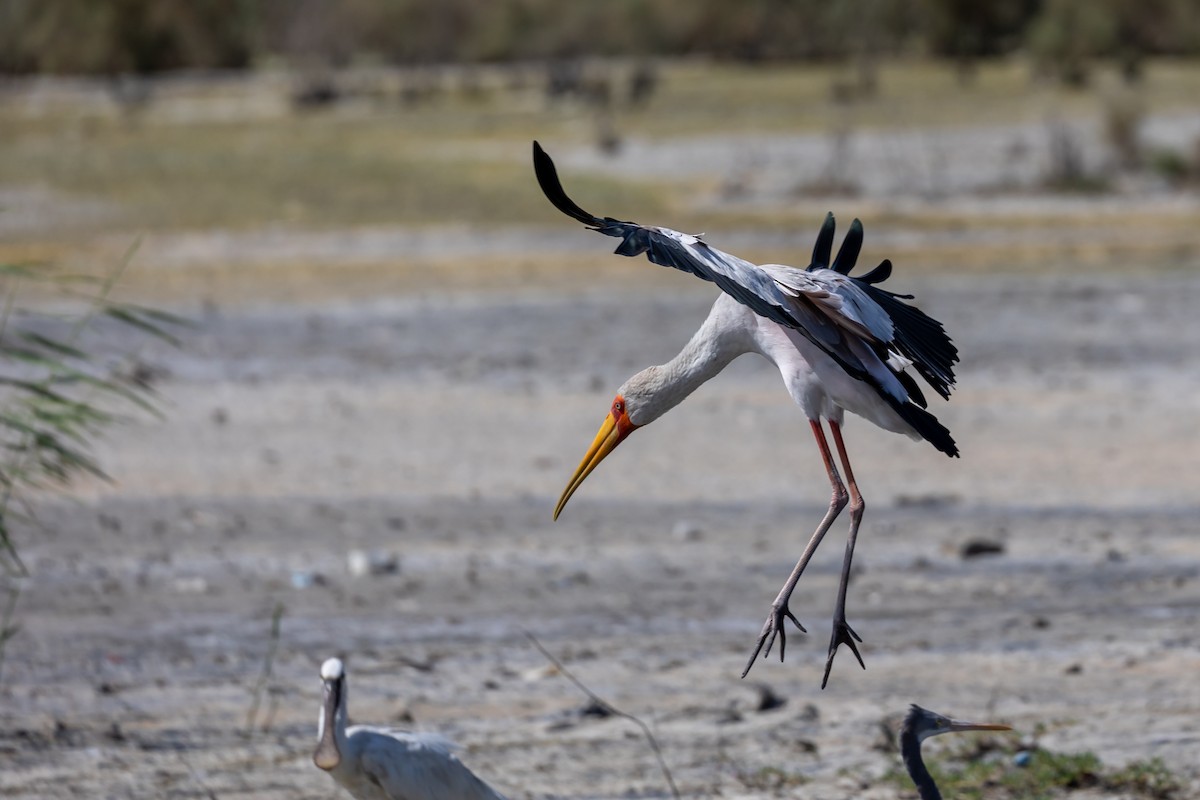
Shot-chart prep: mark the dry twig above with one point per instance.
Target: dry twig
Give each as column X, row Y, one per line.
column 607, row 706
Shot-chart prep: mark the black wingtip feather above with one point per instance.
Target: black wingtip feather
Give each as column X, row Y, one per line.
column 847, row 255
column 879, row 274
column 914, row 391
column 547, row 178
column 928, row 426
column 823, row 248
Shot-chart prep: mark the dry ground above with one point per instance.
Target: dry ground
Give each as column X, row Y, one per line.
column 427, row 392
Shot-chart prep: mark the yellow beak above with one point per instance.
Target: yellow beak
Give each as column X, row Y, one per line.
column 611, row 433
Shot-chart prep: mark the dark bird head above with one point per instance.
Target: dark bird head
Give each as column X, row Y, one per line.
column 922, row 723
column 918, row 726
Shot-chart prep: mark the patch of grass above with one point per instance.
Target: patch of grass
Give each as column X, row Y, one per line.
column 309, row 172
column 1172, row 166
column 769, row 779
column 1146, row 779
column 988, row 771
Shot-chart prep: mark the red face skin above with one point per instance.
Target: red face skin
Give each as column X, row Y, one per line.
column 624, row 425
column 616, row 427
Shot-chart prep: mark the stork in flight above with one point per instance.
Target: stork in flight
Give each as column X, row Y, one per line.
column 918, row 726
column 374, row 763
column 840, row 343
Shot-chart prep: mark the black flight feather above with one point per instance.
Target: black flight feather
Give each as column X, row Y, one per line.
column 928, row 426
column 851, row 246
column 920, row 338
column 910, row 385
column 547, row 178
column 824, row 245
column 879, row 274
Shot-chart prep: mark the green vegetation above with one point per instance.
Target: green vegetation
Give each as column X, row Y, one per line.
column 60, row 388
column 988, row 771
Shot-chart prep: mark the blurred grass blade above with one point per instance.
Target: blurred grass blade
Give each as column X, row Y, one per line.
column 61, row 348
column 130, row 317
column 58, row 391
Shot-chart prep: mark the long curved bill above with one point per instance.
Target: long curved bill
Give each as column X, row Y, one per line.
column 958, row 725
column 606, row 440
column 326, row 755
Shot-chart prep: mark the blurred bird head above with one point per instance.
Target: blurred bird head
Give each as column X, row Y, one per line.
column 332, row 723
column 922, row 723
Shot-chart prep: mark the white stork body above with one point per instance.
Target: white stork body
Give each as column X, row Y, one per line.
column 377, row 763
column 814, row 381
column 839, row 342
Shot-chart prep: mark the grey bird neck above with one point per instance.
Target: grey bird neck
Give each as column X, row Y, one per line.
column 910, row 752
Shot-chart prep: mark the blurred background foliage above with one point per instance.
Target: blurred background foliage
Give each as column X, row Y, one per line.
column 107, row 37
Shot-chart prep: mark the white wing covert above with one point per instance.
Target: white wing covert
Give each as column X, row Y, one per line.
column 428, row 768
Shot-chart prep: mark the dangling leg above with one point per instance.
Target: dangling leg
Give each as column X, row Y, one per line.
column 779, row 608
column 842, row 632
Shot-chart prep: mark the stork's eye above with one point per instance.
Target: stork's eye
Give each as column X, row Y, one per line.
column 618, row 408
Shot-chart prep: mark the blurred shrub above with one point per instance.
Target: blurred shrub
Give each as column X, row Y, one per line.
column 1173, row 166
column 1066, row 36
column 1124, row 113
column 110, row 36
column 120, row 36
column 967, row 30
column 1067, row 170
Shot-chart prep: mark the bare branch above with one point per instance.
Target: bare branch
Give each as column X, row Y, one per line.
column 610, row 708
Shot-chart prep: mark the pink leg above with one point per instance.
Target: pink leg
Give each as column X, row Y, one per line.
column 842, row 632
column 779, row 608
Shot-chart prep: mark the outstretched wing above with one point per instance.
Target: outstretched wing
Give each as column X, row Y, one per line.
column 840, row 315
column 746, row 282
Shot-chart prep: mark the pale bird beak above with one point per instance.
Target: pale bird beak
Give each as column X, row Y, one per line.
column 612, row 432
column 956, row 725
column 326, row 755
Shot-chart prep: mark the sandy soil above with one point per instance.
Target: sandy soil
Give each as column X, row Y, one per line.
column 441, row 429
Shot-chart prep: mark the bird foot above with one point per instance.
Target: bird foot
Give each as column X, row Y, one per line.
column 771, row 628
column 842, row 634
